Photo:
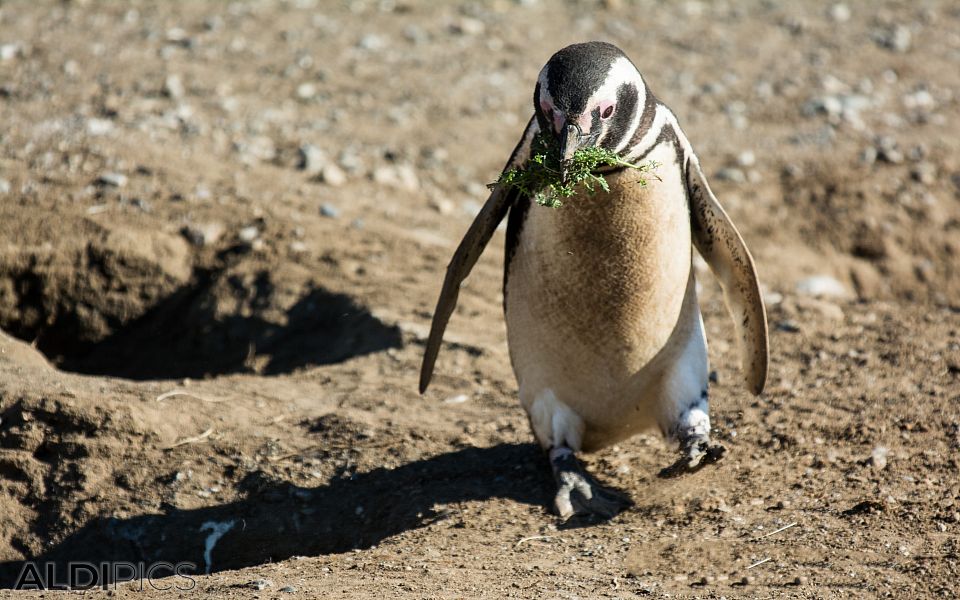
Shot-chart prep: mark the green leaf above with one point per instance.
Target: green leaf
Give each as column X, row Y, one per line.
column 540, row 179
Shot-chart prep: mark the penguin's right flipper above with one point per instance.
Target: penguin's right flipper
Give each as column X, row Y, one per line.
column 721, row 245
column 469, row 251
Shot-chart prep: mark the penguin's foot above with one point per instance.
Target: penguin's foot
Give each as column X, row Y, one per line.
column 578, row 493
column 695, row 453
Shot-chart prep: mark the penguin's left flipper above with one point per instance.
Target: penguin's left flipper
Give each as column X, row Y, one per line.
column 580, row 497
column 469, row 250
column 719, row 243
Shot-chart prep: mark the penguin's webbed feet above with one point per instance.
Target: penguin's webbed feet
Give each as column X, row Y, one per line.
column 695, row 453
column 579, row 494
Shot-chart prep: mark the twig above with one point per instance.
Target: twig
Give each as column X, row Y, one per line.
column 191, row 440
column 173, row 393
column 758, row 563
column 531, row 538
column 784, row 528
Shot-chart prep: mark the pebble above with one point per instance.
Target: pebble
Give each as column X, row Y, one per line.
column 732, row 174
column 306, row 91
column 924, row 172
column 4, row 186
column 329, row 210
column 289, row 589
column 372, row 42
column 888, row 150
column 332, row 175
column 98, row 127
column 897, row 38
column 112, row 179
column 248, row 234
column 746, row 158
column 173, row 87
column 822, row 285
column 878, row 458
column 206, row 234
column 839, row 13
column 9, row 51
column 260, row 584
column 312, row 159
column 397, row 176
column 468, row 26
column 458, row 399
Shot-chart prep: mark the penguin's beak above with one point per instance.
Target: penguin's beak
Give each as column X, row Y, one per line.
column 569, row 144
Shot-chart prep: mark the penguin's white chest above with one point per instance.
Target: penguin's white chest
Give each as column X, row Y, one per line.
column 600, row 302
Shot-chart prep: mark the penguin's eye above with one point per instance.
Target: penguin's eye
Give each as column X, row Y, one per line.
column 606, row 110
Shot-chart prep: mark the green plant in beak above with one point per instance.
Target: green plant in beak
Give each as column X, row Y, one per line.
column 543, row 179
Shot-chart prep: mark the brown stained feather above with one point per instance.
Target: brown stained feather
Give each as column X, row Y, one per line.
column 721, row 245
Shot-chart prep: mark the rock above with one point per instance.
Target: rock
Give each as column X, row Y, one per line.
column 821, row 308
column 372, row 42
column 329, row 210
column 98, row 127
column 458, row 399
column 822, row 285
column 920, row 99
column 306, row 91
column 924, row 172
column 289, row 589
column 731, row 174
column 260, row 584
column 839, row 13
column 248, row 234
column 878, row 458
column 173, row 87
column 4, row 186
column 206, row 234
column 111, row 179
column 332, row 175
column 397, row 176
column 10, row 51
column 468, row 26
column 746, row 158
column 897, row 38
column 312, row 159
column 867, row 282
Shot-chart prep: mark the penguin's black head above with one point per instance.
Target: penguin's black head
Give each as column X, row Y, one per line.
column 589, row 94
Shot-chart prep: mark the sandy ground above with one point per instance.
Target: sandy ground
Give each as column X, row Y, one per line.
column 222, row 232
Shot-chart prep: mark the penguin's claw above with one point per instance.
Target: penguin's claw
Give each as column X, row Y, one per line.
column 694, row 456
column 580, row 495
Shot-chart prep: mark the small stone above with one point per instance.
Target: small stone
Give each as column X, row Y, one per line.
column 173, row 87
column 203, row 235
column 732, row 174
column 822, row 285
column 924, row 172
column 289, row 589
column 398, row 176
column 839, row 13
column 332, row 175
column 329, row 210
column 312, row 159
column 98, row 127
column 746, row 158
column 248, row 234
column 468, row 26
column 372, row 42
column 306, row 91
column 801, row 580
column 878, row 458
column 111, row 179
column 897, row 38
column 458, row 399
column 260, row 584
column 10, row 51
column 4, row 186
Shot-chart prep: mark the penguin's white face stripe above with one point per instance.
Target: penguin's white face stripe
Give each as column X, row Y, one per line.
column 611, row 114
column 622, row 72
column 661, row 118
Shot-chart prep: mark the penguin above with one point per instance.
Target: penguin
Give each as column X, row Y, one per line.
column 604, row 329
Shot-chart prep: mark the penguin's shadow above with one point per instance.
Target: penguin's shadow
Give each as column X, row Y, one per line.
column 277, row 519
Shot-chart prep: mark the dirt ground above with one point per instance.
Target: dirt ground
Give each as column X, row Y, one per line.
column 223, row 227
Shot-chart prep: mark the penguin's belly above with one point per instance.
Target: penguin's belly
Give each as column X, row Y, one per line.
column 595, row 291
